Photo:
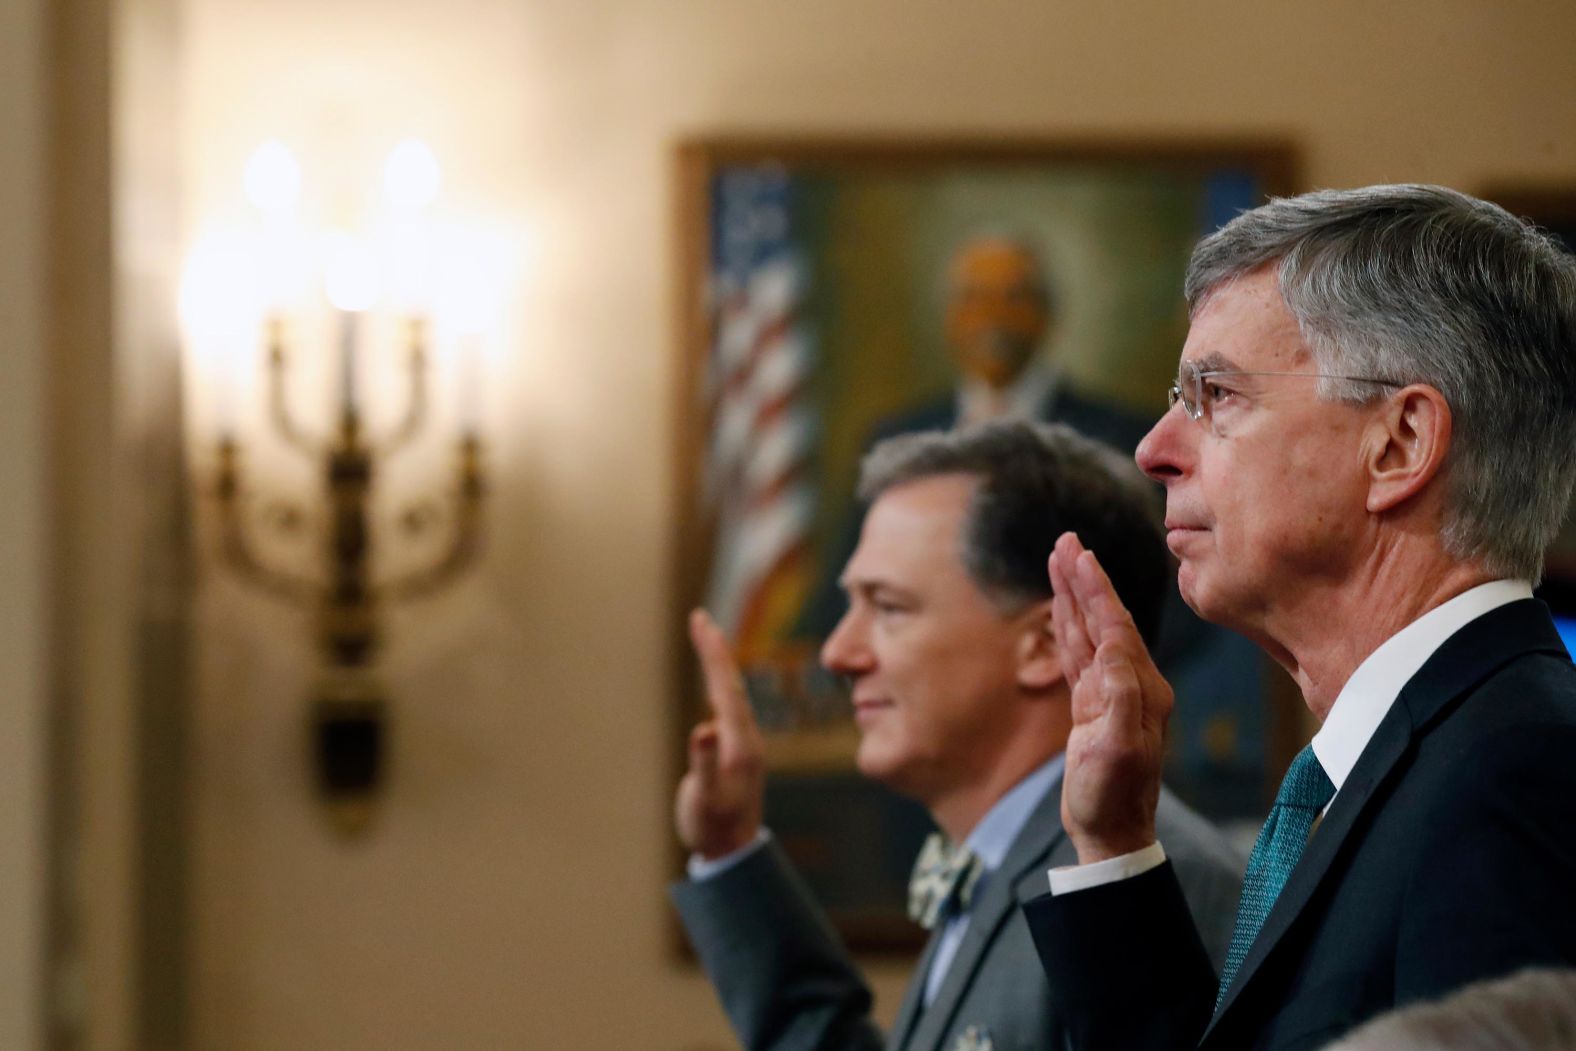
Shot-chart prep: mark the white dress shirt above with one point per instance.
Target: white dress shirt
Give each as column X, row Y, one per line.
column 1367, row 696
column 1022, row 399
column 1357, row 712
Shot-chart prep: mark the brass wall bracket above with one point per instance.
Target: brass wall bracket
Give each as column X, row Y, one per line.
column 349, row 716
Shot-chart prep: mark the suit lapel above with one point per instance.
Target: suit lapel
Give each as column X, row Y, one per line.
column 1389, row 743
column 1465, row 660
column 913, row 997
column 1017, row 880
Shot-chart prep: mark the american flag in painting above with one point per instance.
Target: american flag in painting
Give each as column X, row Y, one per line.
column 762, row 429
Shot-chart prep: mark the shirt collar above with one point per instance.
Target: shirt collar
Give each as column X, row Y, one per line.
column 994, row 835
column 1377, row 682
column 1024, row 398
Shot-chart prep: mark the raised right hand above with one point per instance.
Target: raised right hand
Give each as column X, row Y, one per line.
column 1120, row 704
column 720, row 799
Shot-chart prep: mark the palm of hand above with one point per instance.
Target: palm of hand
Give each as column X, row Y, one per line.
column 1112, row 781
column 1120, row 704
column 719, row 804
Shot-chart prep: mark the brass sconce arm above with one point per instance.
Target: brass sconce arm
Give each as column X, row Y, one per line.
column 236, row 550
column 464, row 546
column 294, row 435
column 278, row 404
column 416, row 399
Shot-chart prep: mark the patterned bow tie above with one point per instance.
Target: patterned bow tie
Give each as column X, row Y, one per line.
column 943, row 880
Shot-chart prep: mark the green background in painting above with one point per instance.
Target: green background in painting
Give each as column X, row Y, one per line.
column 875, row 241
column 1113, row 240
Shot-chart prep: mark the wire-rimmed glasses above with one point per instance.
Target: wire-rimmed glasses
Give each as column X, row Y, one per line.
column 1198, row 396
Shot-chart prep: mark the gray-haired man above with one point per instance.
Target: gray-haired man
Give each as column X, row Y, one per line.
column 1369, row 450
column 961, row 704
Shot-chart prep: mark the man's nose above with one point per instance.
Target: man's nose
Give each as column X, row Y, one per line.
column 1164, row 452
column 844, row 651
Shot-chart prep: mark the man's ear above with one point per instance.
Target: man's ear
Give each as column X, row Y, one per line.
column 1408, row 440
column 1039, row 661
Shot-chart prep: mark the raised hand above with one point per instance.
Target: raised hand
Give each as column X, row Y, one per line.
column 718, row 806
column 1120, row 704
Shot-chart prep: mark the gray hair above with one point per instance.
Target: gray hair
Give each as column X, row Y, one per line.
column 1534, row 1010
column 1422, row 284
column 1035, row 482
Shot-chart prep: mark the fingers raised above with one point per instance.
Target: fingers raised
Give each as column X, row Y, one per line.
column 1103, row 613
column 1067, row 619
column 1124, row 699
column 724, row 685
column 703, row 753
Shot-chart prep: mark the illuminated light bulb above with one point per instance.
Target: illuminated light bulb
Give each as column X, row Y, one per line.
column 411, row 176
column 220, row 308
column 470, row 300
column 473, row 274
column 350, row 273
column 219, row 297
column 273, row 177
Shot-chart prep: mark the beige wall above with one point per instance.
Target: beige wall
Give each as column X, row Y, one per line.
column 23, row 474
column 510, row 896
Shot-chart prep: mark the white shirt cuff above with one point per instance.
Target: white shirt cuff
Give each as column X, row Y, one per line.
column 1124, row 866
column 700, row 868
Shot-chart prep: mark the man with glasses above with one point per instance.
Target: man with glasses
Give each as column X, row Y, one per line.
column 960, row 704
column 1369, row 450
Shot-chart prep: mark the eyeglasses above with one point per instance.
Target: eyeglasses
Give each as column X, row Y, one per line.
column 1198, row 395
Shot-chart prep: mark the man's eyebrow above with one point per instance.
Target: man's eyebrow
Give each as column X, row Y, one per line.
column 870, row 585
column 1213, row 362
column 852, row 584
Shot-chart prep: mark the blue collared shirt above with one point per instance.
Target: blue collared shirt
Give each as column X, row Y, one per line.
column 991, row 839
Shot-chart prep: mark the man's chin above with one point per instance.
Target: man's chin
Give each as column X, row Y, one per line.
column 1189, row 595
column 1196, row 594
column 877, row 763
column 1212, row 605
column 868, row 762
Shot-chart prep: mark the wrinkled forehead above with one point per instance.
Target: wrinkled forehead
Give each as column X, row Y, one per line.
column 913, row 528
column 1245, row 325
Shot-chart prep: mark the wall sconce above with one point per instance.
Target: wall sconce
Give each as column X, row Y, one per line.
column 349, row 717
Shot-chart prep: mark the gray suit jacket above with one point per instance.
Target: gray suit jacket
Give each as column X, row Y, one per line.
column 787, row 983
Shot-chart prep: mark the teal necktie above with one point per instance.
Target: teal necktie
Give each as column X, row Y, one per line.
column 1306, row 791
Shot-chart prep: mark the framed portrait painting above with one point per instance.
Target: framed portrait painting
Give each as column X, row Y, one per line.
column 822, row 288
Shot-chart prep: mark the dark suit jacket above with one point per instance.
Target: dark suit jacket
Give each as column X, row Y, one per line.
column 1100, row 420
column 1448, row 856
column 787, row 984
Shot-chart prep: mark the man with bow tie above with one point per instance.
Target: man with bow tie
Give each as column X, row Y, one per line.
column 1369, row 452
column 961, row 704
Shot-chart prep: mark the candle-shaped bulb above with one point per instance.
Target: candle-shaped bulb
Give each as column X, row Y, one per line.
column 350, row 276
column 471, row 303
column 350, row 273
column 470, row 382
column 220, row 310
column 273, row 177
column 411, row 176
